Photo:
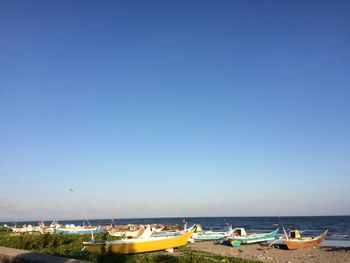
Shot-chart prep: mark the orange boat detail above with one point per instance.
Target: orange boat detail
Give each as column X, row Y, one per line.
column 297, row 242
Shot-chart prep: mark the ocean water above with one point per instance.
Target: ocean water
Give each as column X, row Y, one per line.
column 338, row 226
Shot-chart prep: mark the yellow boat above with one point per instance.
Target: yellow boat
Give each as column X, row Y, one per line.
column 133, row 246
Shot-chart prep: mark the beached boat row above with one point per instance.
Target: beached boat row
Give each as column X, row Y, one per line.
column 171, row 240
column 146, row 239
column 54, row 228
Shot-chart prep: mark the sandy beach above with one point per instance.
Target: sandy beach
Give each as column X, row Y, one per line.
column 272, row 254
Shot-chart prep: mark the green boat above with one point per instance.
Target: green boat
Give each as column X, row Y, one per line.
column 201, row 235
column 240, row 236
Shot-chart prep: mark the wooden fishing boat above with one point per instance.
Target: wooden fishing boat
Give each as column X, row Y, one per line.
column 135, row 233
column 26, row 229
column 78, row 230
column 140, row 245
column 128, row 234
column 240, row 236
column 210, row 235
column 201, row 235
column 171, row 233
column 295, row 241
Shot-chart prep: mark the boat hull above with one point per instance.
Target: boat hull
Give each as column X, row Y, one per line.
column 256, row 238
column 211, row 236
column 128, row 234
column 138, row 245
column 294, row 244
column 82, row 231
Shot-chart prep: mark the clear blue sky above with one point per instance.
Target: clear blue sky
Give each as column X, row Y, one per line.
column 174, row 108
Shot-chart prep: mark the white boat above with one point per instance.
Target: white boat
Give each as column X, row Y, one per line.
column 135, row 233
column 26, row 229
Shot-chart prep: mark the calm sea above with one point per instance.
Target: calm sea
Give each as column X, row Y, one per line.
column 338, row 226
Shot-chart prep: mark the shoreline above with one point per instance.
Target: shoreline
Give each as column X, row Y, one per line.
column 335, row 243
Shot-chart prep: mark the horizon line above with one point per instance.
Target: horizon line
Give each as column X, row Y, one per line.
column 171, row 217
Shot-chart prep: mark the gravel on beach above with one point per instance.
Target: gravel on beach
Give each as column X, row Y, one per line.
column 272, row 254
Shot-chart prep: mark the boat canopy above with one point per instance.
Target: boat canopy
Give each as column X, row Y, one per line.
column 239, row 231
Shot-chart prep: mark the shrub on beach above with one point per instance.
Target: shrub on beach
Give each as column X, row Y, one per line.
column 5, row 229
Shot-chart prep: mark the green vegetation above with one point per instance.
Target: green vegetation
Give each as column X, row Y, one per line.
column 5, row 229
column 71, row 245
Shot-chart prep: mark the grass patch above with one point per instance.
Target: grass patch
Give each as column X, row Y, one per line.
column 5, row 229
column 70, row 246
